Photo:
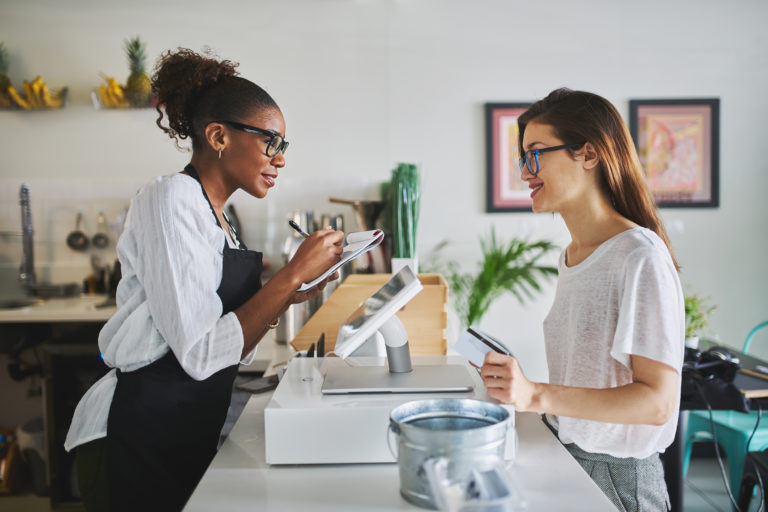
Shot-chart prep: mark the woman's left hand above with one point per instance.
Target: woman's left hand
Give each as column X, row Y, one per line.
column 505, row 381
column 299, row 297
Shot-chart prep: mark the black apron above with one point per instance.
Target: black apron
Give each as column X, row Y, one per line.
column 164, row 426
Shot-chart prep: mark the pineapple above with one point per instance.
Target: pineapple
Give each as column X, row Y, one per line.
column 138, row 89
column 5, row 82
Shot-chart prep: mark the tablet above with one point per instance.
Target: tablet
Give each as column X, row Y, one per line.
column 377, row 309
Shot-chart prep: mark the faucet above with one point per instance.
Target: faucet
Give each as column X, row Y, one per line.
column 27, row 272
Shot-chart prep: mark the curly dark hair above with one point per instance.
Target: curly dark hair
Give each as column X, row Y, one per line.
column 194, row 89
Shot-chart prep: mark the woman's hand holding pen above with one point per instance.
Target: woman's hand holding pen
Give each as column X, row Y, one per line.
column 506, row 382
column 316, row 254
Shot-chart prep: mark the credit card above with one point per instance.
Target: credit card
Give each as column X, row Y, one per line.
column 474, row 344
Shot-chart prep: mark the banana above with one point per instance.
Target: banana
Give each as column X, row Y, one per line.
column 45, row 95
column 106, row 99
column 116, row 89
column 112, row 95
column 114, row 102
column 30, row 94
column 37, row 90
column 16, row 97
column 118, row 98
column 117, row 93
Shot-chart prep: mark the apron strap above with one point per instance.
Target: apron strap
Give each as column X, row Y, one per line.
column 232, row 231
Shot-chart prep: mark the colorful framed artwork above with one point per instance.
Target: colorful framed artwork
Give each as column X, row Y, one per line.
column 505, row 190
column 678, row 145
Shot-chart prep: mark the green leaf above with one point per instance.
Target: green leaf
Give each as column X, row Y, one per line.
column 507, row 267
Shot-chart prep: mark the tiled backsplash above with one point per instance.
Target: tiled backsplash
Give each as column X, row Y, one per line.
column 56, row 203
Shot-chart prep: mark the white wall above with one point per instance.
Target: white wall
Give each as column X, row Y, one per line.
column 364, row 84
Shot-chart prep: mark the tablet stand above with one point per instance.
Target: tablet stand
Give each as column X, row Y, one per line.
column 390, row 341
column 401, row 377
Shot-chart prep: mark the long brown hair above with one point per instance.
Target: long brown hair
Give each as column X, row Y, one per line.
column 578, row 116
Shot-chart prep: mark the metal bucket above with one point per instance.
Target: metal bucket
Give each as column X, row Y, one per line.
column 469, row 434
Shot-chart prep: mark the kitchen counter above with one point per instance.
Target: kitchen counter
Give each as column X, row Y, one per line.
column 71, row 309
column 240, row 479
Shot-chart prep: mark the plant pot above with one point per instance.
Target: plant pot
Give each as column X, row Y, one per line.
column 399, row 263
column 692, row 342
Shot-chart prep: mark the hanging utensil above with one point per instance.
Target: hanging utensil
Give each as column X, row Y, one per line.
column 100, row 239
column 77, row 240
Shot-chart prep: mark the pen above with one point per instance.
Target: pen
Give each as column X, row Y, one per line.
column 295, row 226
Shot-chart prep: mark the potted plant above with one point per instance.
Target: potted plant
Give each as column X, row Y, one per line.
column 507, row 267
column 697, row 312
column 405, row 198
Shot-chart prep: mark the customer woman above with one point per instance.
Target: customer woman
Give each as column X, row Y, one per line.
column 190, row 305
column 614, row 336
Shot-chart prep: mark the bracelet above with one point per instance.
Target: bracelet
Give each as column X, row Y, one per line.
column 274, row 324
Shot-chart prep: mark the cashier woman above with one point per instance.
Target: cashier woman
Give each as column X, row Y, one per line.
column 190, row 305
column 614, row 336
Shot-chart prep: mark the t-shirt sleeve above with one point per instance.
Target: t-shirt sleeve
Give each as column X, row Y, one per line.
column 180, row 271
column 651, row 320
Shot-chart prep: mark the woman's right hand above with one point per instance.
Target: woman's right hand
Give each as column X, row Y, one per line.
column 316, row 254
column 506, row 382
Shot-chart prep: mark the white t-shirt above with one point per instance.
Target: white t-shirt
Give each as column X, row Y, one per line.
column 624, row 299
column 171, row 254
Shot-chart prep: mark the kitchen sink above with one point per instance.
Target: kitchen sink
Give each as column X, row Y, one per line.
column 17, row 303
column 49, row 290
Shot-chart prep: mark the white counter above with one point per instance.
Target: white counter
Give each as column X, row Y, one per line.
column 240, row 479
column 72, row 309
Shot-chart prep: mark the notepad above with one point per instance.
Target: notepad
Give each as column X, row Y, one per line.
column 356, row 244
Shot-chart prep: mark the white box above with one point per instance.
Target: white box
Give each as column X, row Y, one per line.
column 303, row 426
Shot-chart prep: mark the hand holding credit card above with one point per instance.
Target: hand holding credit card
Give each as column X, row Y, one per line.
column 474, row 344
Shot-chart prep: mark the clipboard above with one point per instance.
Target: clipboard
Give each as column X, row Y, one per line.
column 357, row 244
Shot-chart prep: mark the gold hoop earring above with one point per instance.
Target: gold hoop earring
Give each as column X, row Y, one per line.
column 219, row 154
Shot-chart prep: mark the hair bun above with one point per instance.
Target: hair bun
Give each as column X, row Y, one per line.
column 180, row 79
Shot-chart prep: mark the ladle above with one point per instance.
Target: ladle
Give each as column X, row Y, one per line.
column 77, row 240
column 100, row 239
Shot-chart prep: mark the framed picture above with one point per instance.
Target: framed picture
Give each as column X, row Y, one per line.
column 678, row 145
column 505, row 190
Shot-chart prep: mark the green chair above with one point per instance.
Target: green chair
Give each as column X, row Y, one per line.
column 732, row 429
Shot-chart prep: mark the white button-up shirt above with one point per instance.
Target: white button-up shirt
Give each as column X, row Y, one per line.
column 171, row 254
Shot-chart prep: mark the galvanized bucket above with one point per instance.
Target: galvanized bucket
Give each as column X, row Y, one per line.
column 469, row 434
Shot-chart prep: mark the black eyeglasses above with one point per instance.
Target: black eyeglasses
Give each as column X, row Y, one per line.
column 275, row 144
column 530, row 158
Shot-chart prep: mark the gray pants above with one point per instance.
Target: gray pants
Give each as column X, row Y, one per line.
column 632, row 485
